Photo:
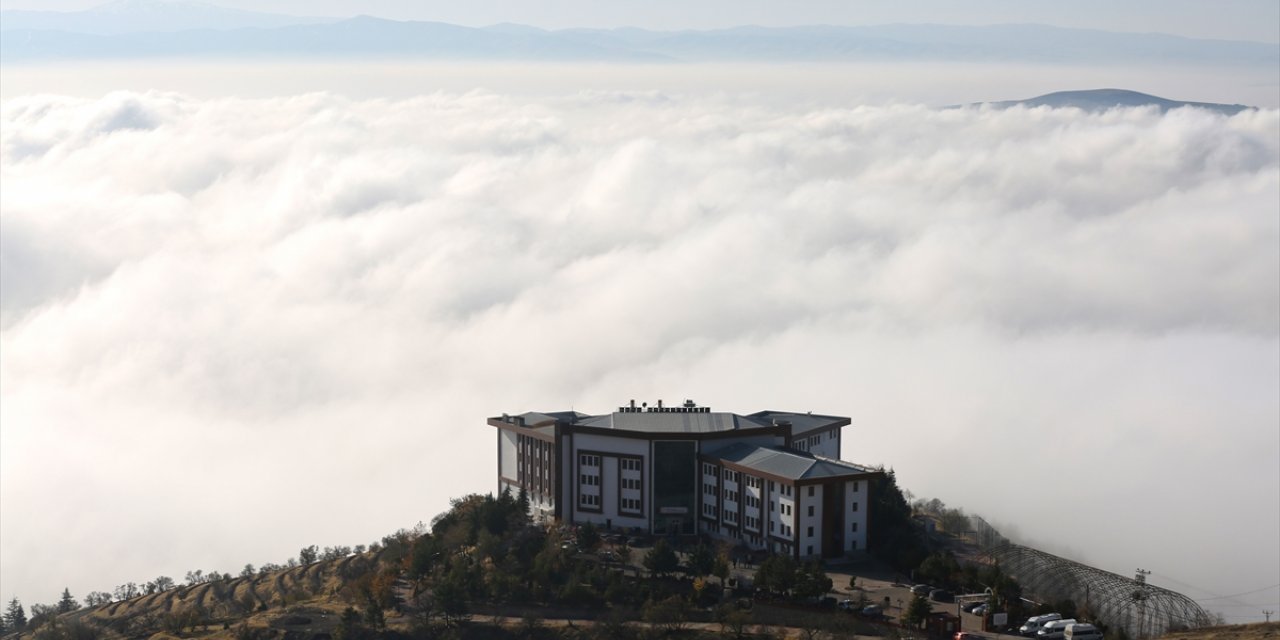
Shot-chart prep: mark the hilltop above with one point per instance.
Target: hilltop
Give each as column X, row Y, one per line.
column 1097, row 100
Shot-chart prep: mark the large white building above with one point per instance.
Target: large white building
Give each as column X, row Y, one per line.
column 772, row 480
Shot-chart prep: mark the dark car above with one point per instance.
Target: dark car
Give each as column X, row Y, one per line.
column 921, row 590
column 941, row 595
column 970, row 606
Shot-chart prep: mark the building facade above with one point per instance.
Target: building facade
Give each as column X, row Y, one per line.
column 771, row 480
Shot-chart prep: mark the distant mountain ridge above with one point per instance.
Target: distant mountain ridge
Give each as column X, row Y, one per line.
column 141, row 16
column 152, row 28
column 1096, row 100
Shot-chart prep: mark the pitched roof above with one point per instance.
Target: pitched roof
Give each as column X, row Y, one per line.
column 793, row 465
column 800, row 422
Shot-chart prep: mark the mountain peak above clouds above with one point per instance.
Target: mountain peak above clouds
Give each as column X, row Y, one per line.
column 1097, row 100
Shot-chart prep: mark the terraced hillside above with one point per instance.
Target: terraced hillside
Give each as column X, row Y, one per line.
column 298, row 603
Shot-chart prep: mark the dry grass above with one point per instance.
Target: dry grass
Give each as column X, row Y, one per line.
column 1258, row 631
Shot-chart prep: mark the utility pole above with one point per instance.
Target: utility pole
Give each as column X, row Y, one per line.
column 1141, row 597
column 1268, row 615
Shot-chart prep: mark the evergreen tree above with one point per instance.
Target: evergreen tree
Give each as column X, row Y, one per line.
column 893, row 536
column 15, row 617
column 702, row 561
column 917, row 611
column 661, row 559
column 67, row 604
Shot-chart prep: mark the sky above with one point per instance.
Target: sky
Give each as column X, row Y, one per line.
column 1257, row 20
column 248, row 308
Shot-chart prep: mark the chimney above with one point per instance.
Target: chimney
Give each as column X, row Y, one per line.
column 659, row 404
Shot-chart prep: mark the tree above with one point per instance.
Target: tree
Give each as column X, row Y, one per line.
column 892, row 535
column 733, row 621
column 668, row 615
column 917, row 611
column 126, row 591
column 248, row 571
column 721, row 567
column 308, row 555
column 67, row 604
column 15, row 618
column 588, row 537
column 702, row 561
column 812, row 581
column 661, row 559
column 778, row 574
column 97, row 598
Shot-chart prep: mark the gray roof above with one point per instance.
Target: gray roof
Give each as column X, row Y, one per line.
column 672, row 422
column 800, row 422
column 793, row 465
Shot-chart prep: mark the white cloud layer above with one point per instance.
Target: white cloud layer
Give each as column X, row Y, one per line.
column 231, row 328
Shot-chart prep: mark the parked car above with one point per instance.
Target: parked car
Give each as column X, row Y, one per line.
column 1033, row 624
column 970, row 606
column 921, row 590
column 968, row 635
column 848, row 605
column 610, row 556
column 872, row 611
column 1082, row 631
column 1054, row 630
column 941, row 595
column 981, row 610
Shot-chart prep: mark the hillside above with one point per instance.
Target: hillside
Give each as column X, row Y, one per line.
column 1259, row 631
column 306, row 601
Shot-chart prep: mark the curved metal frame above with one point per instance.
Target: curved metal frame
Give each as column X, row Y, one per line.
column 1143, row 610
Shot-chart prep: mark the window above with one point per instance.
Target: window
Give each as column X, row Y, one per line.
column 855, row 485
column 810, row 511
column 630, row 504
column 771, row 526
column 855, row 527
column 810, row 492
column 853, row 545
column 770, row 506
column 584, row 459
column 589, row 500
column 810, row 550
column 810, row 534
column 855, row 507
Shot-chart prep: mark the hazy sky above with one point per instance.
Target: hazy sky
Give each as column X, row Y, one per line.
column 1229, row 19
column 252, row 307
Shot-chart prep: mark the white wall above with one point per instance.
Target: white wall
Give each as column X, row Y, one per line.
column 608, row 488
column 807, row 521
column 506, row 454
column 855, row 491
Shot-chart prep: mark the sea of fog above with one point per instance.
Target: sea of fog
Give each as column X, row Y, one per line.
column 251, row 307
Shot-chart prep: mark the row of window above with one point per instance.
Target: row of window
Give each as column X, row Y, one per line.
column 631, row 483
column 752, row 522
column 631, row 504
column 630, row 464
column 588, row 460
column 732, row 476
column 589, row 500
column 590, row 480
column 731, row 516
column 753, row 502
